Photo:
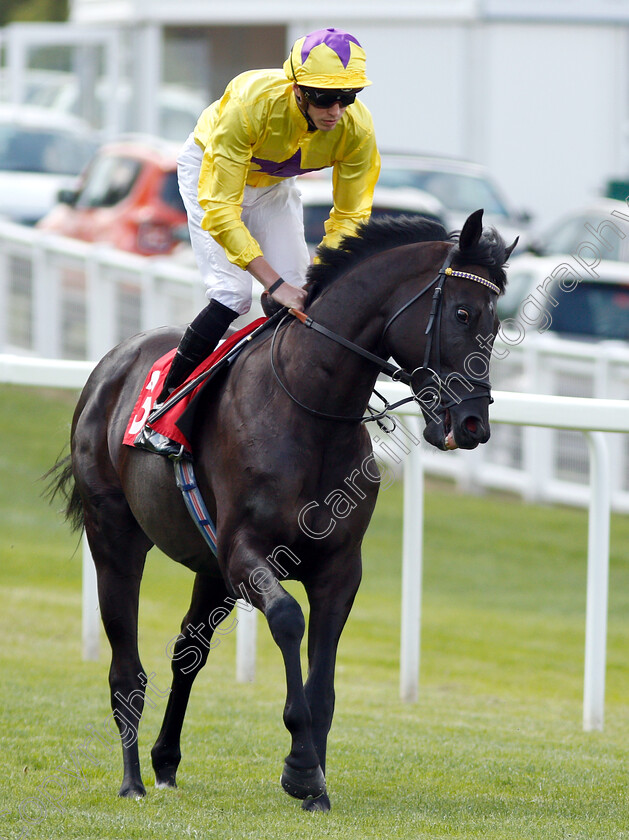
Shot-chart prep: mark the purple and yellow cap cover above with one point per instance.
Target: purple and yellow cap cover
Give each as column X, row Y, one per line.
column 327, row 58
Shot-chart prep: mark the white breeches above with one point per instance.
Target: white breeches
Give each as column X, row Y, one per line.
column 272, row 215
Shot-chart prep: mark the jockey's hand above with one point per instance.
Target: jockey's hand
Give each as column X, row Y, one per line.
column 291, row 297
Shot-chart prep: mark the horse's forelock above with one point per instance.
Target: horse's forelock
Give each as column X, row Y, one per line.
column 490, row 252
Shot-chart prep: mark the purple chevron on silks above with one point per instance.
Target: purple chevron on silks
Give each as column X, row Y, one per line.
column 336, row 39
column 283, row 168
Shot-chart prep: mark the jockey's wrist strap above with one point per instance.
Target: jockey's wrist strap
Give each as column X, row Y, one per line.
column 275, row 286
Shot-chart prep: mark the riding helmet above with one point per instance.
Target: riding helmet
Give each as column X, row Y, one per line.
column 327, row 58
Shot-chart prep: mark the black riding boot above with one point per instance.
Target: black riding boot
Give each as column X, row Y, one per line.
column 198, row 341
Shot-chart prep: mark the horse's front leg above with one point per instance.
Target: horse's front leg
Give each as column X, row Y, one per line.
column 331, row 597
column 252, row 575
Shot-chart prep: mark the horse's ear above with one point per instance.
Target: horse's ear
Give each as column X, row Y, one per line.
column 509, row 250
column 472, row 230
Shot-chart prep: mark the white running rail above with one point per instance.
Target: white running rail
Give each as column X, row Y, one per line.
column 592, row 417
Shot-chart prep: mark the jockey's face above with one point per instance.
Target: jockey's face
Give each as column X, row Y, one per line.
column 324, row 119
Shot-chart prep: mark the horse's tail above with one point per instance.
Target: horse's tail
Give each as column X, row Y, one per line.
column 61, row 481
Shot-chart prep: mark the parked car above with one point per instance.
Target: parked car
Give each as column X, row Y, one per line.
column 555, row 295
column 40, row 153
column 128, row 197
column 603, row 222
column 316, row 196
column 461, row 186
column 594, row 233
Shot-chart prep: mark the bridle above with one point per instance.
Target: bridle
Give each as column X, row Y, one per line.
column 397, row 374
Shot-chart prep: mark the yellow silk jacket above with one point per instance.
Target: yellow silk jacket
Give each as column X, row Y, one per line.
column 256, row 135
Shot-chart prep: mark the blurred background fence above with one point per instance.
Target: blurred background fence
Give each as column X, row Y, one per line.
column 547, row 465
column 65, row 299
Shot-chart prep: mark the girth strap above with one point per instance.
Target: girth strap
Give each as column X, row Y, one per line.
column 187, row 483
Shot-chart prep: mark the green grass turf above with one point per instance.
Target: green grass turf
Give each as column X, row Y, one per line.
column 493, row 749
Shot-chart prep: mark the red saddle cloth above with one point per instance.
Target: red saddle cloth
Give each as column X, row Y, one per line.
column 167, row 423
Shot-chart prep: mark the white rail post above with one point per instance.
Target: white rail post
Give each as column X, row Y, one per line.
column 412, row 546
column 597, row 584
column 246, row 635
column 91, row 611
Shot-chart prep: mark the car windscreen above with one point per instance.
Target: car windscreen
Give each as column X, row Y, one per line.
column 42, row 151
column 592, row 310
column 568, row 235
column 170, row 192
column 400, row 213
column 108, row 181
column 456, row 191
column 315, row 216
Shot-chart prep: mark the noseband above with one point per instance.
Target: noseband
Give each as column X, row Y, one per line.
column 432, row 331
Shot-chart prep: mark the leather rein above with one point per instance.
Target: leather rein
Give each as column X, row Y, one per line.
column 397, row 374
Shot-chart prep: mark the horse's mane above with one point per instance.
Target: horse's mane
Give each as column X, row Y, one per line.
column 383, row 233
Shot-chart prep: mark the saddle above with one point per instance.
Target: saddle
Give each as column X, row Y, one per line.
column 167, row 429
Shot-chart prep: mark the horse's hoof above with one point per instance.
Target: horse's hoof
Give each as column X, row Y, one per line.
column 319, row 803
column 132, row 790
column 303, row 783
column 165, row 785
column 166, row 777
column 165, row 763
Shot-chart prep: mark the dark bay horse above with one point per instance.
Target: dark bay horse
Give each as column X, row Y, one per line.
column 269, row 460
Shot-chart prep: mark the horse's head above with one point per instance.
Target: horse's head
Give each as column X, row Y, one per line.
column 450, row 365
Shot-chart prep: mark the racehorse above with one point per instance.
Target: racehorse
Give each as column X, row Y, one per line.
column 274, row 441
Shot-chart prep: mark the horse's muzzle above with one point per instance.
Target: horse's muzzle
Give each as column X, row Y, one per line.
column 463, row 426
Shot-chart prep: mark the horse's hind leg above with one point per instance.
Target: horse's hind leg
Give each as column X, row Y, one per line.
column 119, row 550
column 207, row 610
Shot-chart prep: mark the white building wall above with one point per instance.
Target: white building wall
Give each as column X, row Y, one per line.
column 418, row 96
column 543, row 105
column 535, row 90
column 555, row 110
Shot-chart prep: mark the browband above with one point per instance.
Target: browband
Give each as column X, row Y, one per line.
column 451, row 272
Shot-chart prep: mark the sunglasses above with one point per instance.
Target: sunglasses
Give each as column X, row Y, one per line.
column 322, row 98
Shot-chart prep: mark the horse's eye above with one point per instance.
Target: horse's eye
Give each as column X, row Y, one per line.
column 463, row 315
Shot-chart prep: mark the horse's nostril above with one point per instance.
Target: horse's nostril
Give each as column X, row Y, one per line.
column 471, row 424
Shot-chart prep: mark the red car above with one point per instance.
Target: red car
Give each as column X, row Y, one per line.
column 128, row 196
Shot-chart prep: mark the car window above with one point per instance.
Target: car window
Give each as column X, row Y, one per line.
column 170, row 192
column 595, row 310
column 519, row 285
column 564, row 237
column 108, row 181
column 396, row 213
column 567, row 236
column 41, row 151
column 315, row 216
column 456, row 191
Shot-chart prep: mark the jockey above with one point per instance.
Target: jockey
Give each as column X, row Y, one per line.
column 237, row 180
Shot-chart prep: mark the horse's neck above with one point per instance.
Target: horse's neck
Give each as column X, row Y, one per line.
column 351, row 306
column 327, row 376
column 339, row 381
column 359, row 303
